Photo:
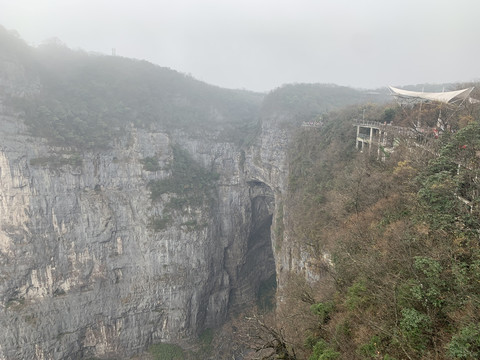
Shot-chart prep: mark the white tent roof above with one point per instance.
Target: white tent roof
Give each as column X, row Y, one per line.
column 445, row 97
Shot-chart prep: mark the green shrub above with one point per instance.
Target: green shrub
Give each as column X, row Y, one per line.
column 150, row 164
column 357, row 295
column 323, row 310
column 57, row 161
column 166, row 352
column 388, row 357
column 206, row 338
column 189, row 181
column 322, row 351
column 370, row 350
column 466, row 344
column 415, row 326
column 158, row 223
column 427, row 287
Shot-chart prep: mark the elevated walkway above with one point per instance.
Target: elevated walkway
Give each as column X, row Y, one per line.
column 314, row 124
column 380, row 135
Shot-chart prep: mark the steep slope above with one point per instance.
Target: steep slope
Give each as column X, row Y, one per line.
column 390, row 247
column 137, row 205
column 88, row 269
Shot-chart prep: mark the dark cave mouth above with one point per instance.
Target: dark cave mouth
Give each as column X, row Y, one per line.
column 259, row 267
column 265, row 296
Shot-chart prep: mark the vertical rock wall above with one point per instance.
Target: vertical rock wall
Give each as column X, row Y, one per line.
column 82, row 272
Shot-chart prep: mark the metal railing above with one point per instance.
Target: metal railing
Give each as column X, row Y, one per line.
column 387, row 127
column 363, row 136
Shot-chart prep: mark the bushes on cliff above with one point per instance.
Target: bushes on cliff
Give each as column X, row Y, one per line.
column 189, row 185
column 150, row 163
column 87, row 100
column 189, row 181
column 166, row 352
column 404, row 240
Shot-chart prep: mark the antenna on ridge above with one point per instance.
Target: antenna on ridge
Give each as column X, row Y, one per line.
column 114, row 52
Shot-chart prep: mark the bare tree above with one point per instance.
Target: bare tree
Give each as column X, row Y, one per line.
column 266, row 341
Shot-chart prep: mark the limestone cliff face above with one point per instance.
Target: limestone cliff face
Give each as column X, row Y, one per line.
column 82, row 272
column 268, row 164
column 85, row 271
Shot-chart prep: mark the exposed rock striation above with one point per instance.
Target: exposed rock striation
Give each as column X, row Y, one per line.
column 82, row 272
column 93, row 265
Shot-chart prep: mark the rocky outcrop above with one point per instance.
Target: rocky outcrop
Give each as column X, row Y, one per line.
column 82, row 271
column 91, row 265
column 268, row 165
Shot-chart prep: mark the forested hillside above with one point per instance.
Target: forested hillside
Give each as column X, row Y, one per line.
column 85, row 100
column 307, row 102
column 136, row 202
column 388, row 260
column 395, row 243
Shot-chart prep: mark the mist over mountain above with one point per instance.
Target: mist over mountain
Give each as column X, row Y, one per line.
column 145, row 214
column 136, row 201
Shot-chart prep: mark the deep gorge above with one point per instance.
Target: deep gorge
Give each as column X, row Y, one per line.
column 84, row 274
column 137, row 209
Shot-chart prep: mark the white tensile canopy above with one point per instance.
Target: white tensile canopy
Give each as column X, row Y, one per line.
column 449, row 97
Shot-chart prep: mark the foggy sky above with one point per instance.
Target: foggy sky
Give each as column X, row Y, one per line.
column 262, row 44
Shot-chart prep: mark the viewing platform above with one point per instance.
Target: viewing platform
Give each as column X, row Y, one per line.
column 381, row 135
column 314, row 124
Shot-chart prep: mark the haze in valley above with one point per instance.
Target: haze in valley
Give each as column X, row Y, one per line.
column 260, row 45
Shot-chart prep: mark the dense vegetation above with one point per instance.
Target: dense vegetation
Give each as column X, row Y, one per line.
column 306, row 102
column 80, row 100
column 395, row 243
column 165, row 351
column 189, row 185
column 403, row 238
column 85, row 100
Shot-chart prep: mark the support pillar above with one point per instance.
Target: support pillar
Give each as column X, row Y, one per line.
column 358, row 132
column 371, row 140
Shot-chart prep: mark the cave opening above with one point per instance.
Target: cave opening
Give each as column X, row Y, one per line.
column 258, row 270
